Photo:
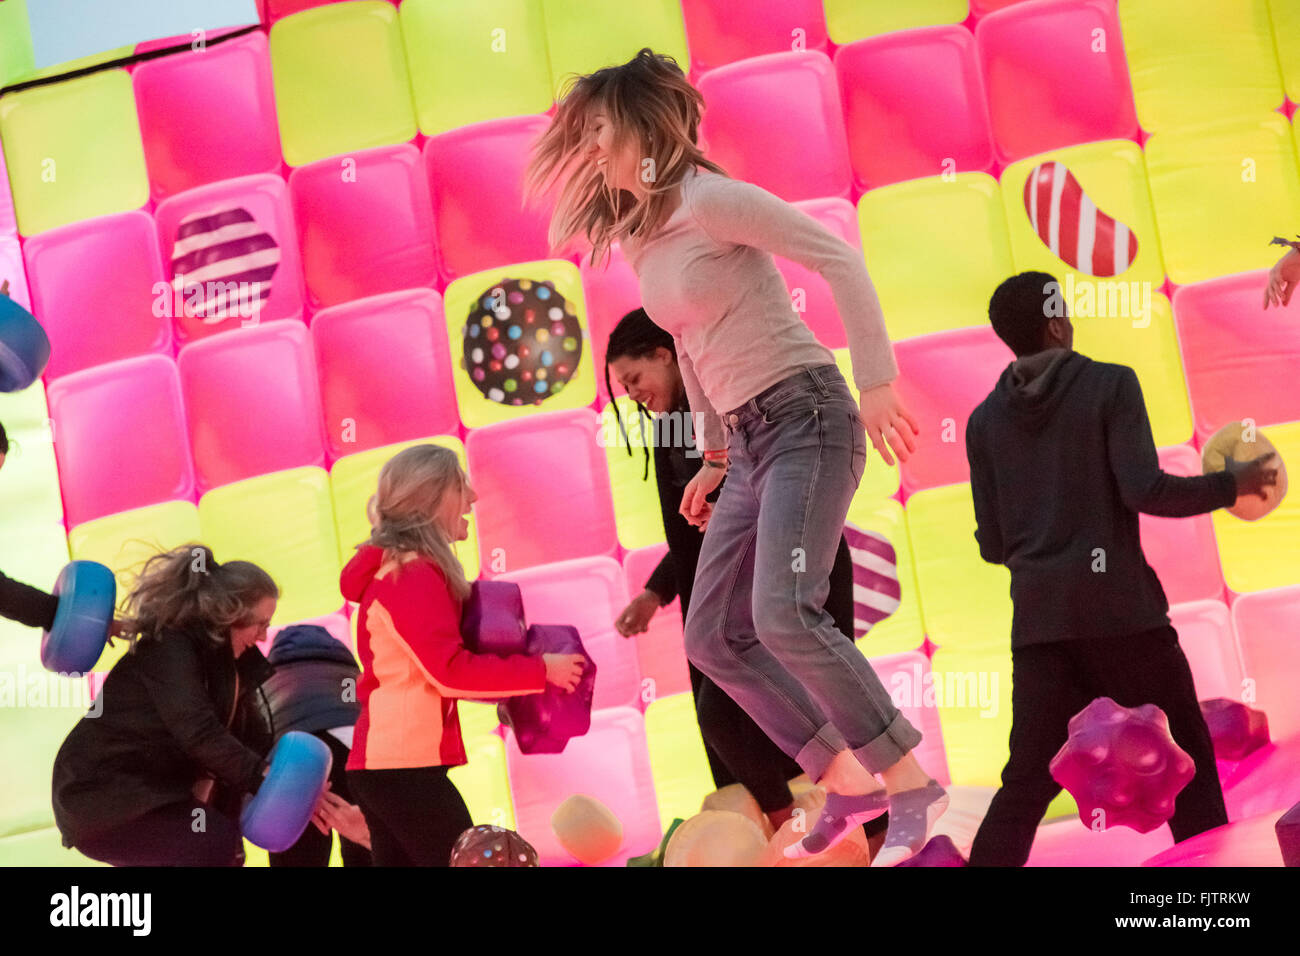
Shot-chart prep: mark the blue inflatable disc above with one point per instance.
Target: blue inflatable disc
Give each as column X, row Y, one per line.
column 281, row 810
column 87, row 593
column 24, row 347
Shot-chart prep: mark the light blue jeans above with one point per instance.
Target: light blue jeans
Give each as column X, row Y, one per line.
column 757, row 624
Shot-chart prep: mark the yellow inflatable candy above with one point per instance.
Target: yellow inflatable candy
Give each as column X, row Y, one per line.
column 587, row 829
column 716, row 838
column 734, row 798
column 1231, row 440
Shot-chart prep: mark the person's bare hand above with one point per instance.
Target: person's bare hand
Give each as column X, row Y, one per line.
column 888, row 423
column 696, row 507
column 1282, row 280
column 346, row 818
column 1254, row 475
column 564, row 670
column 635, row 618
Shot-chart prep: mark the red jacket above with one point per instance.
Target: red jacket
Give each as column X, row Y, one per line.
column 414, row 665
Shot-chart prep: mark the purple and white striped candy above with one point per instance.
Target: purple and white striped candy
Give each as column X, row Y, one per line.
column 876, row 591
column 229, row 255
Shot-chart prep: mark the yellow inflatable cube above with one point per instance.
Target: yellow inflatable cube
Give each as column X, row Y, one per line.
column 474, row 62
column 73, row 150
column 284, row 523
column 124, row 542
column 916, row 231
column 355, row 478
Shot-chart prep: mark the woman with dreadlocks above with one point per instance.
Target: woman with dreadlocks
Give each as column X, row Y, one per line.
column 622, row 147
column 644, row 362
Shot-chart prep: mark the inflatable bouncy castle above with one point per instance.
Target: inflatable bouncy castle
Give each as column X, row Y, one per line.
column 271, row 253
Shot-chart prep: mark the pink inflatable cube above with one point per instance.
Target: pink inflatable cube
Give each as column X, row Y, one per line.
column 475, row 185
column 207, row 115
column 1048, row 84
column 776, row 121
column 365, row 225
column 718, row 36
column 914, row 105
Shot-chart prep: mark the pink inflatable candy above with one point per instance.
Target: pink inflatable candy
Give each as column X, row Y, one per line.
column 545, row 723
column 1122, row 766
column 1237, row 730
column 493, row 619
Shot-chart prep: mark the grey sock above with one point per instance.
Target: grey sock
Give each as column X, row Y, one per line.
column 837, row 819
column 911, row 815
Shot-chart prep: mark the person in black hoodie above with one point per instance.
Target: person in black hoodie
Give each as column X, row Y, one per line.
column 644, row 359
column 1062, row 460
column 22, row 602
column 314, row 690
column 156, row 776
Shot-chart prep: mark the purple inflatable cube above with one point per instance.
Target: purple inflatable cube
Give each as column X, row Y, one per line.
column 1288, row 836
column 940, row 851
column 1237, row 730
column 545, row 723
column 492, row 621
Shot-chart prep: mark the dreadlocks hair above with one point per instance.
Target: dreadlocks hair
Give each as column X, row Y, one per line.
column 635, row 336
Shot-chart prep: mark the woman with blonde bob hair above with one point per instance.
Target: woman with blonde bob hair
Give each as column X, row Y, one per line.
column 622, row 149
column 178, row 735
column 410, row 587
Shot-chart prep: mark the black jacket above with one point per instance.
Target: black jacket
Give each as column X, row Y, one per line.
column 1062, row 461
column 674, row 576
column 314, row 685
column 26, row 604
column 160, row 728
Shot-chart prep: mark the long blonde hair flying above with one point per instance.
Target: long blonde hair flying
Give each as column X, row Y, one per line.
column 412, row 486
column 651, row 105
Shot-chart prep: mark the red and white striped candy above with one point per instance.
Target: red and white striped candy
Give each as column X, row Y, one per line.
column 1077, row 232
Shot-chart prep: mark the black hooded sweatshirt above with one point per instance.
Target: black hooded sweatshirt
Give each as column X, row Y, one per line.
column 1062, row 461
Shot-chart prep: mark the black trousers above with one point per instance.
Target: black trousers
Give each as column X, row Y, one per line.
column 414, row 815
column 313, row 847
column 177, row 834
column 1053, row 682
column 737, row 748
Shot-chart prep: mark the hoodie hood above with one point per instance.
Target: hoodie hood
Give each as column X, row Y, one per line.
column 360, row 571
column 1033, row 385
column 304, row 642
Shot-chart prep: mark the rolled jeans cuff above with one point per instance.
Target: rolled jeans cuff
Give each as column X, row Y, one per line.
column 894, row 743
column 816, row 756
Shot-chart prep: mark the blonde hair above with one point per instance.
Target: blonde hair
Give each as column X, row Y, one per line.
column 650, row 104
column 188, row 588
column 412, row 485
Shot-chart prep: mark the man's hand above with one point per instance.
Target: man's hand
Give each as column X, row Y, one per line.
column 1252, row 476
column 635, row 618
